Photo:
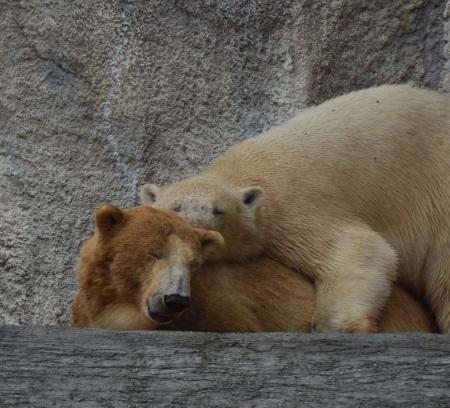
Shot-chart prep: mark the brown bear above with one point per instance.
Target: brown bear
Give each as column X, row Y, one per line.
column 349, row 192
column 140, row 271
column 138, row 259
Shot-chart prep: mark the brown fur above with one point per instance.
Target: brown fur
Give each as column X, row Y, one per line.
column 136, row 258
column 117, row 282
column 349, row 192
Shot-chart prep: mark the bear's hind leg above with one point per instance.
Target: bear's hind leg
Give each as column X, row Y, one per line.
column 354, row 288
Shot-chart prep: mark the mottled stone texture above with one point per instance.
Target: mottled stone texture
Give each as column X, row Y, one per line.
column 98, row 97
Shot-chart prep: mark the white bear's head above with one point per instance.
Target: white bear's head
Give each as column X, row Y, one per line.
column 237, row 213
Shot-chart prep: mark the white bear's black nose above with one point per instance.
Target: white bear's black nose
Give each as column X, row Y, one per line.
column 176, row 303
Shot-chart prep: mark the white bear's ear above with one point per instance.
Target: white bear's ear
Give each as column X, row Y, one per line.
column 149, row 194
column 253, row 197
column 107, row 219
column 212, row 242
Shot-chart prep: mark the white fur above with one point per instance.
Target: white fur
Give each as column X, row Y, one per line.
column 352, row 188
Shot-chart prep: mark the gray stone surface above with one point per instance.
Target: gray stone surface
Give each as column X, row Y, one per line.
column 98, row 97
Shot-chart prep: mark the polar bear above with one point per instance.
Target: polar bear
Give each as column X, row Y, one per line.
column 349, row 192
column 141, row 271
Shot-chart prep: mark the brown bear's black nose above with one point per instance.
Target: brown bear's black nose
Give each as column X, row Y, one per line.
column 176, row 303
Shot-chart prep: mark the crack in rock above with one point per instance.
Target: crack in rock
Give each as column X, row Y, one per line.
column 127, row 172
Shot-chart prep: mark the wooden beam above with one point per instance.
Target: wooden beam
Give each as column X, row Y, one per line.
column 66, row 367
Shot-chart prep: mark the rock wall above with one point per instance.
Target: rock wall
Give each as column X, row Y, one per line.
column 99, row 97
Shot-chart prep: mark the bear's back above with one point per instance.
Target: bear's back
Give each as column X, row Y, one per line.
column 381, row 153
column 385, row 124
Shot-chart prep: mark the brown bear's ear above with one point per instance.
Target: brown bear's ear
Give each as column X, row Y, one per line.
column 212, row 242
column 149, row 194
column 107, row 218
column 252, row 197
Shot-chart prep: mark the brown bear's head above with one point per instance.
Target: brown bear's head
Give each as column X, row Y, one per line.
column 235, row 212
column 135, row 272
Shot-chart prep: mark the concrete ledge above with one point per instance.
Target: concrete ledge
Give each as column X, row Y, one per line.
column 65, row 367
